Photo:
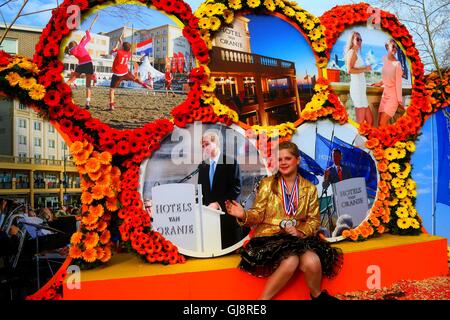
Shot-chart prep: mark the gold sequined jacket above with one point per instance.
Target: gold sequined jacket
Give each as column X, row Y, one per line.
column 267, row 211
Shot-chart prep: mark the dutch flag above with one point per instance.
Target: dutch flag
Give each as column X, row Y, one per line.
column 145, row 47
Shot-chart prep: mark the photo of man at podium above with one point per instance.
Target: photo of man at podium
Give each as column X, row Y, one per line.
column 220, row 178
column 337, row 172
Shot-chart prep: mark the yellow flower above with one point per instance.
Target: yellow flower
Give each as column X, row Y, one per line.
column 228, row 16
column 404, row 223
column 219, row 8
column 394, row 167
column 319, row 46
column 414, row 223
column 410, row 146
column 322, row 62
column 406, row 202
column 204, row 23
column 410, row 184
column 407, row 168
column 13, row 78
column 270, row 5
column 412, row 193
column 315, row 34
column 402, row 212
column 390, row 154
column 209, row 10
column 280, row 4
column 397, row 183
column 393, row 202
column 412, row 212
column 209, row 86
column 27, row 83
column 401, row 153
column 26, row 65
column 289, row 11
column 400, row 145
column 401, row 193
column 37, row 92
column 308, row 25
column 402, row 175
column 300, row 16
column 253, row 3
column 214, row 23
column 235, row 4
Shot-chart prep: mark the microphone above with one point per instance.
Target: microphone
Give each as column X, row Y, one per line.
column 190, row 175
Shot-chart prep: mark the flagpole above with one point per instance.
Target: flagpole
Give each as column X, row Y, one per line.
column 433, row 178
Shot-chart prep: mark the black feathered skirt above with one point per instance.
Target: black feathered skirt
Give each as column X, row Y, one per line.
column 262, row 255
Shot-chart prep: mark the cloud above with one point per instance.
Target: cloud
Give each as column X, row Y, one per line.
column 423, row 191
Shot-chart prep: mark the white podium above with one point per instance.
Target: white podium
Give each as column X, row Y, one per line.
column 193, row 228
column 350, row 197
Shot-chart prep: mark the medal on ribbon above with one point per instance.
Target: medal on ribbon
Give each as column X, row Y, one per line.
column 290, row 203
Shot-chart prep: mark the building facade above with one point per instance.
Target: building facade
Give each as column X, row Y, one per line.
column 35, row 165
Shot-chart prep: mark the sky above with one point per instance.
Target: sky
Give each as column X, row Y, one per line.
column 281, row 41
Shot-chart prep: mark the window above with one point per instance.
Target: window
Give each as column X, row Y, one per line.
column 39, row 180
column 22, row 123
column 37, row 142
column 5, row 179
column 37, row 126
column 51, row 144
column 22, row 180
column 51, row 128
column 22, row 155
column 37, row 158
column 9, row 45
column 52, row 180
column 52, row 157
column 63, row 145
column 23, row 140
column 22, row 106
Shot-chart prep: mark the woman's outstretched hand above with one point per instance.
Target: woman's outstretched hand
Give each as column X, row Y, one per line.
column 235, row 209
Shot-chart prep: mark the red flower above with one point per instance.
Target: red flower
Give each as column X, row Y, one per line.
column 52, row 98
column 66, row 125
column 123, row 147
column 82, row 114
column 110, row 147
column 51, row 49
column 69, row 110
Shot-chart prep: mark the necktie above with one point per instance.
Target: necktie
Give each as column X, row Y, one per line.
column 212, row 169
column 340, row 173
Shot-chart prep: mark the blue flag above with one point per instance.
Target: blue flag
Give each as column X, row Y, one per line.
column 443, row 133
column 356, row 160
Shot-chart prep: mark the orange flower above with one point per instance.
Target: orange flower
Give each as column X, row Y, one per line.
column 105, row 237
column 86, row 184
column 97, row 210
column 87, row 146
column 346, row 233
column 386, row 176
column 372, row 143
column 105, row 157
column 89, row 219
column 91, row 227
column 107, row 254
column 354, row 235
column 386, row 218
column 375, row 221
column 111, row 204
column 76, row 148
column 378, row 153
column 76, row 238
column 102, row 225
column 86, row 198
column 81, row 157
column 95, row 175
column 81, row 169
column 100, row 252
column 382, row 167
column 106, row 168
column 115, row 172
column 380, row 229
column 92, row 165
column 364, row 232
column 104, row 180
column 108, row 191
column 91, row 240
column 75, row 252
column 90, row 255
column 97, row 192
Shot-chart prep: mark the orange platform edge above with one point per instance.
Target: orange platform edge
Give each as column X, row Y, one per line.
column 413, row 260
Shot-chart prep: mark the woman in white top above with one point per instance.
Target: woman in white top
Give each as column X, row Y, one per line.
column 356, row 69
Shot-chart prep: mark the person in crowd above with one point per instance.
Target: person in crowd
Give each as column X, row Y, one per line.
column 337, row 172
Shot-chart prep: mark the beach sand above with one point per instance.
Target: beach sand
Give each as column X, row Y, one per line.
column 134, row 107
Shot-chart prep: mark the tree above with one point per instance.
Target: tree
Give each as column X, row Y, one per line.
column 428, row 21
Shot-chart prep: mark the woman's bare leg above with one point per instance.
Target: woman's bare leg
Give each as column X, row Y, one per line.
column 360, row 114
column 310, row 265
column 280, row 277
column 384, row 119
column 369, row 116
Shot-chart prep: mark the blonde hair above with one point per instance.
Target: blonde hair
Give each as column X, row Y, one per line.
column 349, row 44
column 294, row 150
column 386, row 45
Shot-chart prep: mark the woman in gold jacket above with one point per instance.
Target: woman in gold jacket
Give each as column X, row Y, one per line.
column 285, row 217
